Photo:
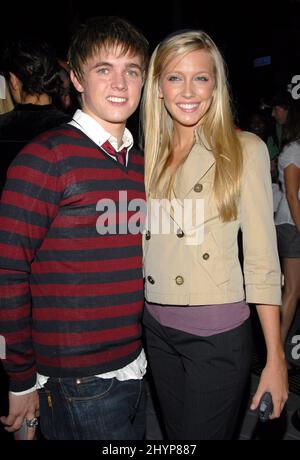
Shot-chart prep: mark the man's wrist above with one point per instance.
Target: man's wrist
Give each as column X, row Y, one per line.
column 22, row 393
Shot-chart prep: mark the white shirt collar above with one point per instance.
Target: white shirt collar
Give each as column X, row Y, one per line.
column 89, row 126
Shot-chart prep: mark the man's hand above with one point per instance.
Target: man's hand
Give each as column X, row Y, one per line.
column 20, row 408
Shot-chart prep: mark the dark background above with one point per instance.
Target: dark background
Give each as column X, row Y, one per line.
column 242, row 30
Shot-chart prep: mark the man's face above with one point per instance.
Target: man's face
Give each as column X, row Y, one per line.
column 258, row 125
column 280, row 114
column 111, row 87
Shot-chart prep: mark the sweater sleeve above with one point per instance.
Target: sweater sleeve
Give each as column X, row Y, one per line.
column 29, row 203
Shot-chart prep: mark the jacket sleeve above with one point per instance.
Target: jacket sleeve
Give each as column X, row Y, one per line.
column 262, row 272
column 29, row 203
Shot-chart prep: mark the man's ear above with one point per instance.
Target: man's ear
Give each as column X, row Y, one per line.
column 78, row 86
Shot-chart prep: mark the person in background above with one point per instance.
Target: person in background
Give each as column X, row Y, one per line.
column 6, row 103
column 259, row 124
column 280, row 104
column 287, row 218
column 196, row 318
column 32, row 74
column 71, row 288
column 67, row 100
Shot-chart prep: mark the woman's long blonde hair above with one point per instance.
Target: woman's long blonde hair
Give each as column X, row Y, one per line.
column 218, row 127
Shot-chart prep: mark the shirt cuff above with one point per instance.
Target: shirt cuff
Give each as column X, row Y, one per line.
column 26, row 392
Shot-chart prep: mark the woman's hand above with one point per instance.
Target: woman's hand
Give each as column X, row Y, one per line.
column 274, row 379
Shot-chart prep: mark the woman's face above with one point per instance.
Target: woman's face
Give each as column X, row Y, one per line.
column 186, row 85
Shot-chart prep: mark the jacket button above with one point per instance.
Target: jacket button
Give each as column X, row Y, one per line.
column 180, row 233
column 148, row 235
column 198, row 188
column 205, row 256
column 179, row 280
column 151, row 280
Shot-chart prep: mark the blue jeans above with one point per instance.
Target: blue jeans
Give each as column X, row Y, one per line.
column 92, row 408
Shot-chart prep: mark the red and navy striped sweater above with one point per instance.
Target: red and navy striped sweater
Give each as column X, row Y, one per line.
column 71, row 299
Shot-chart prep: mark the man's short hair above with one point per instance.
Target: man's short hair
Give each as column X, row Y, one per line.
column 105, row 31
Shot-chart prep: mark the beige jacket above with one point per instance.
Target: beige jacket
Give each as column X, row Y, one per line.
column 177, row 273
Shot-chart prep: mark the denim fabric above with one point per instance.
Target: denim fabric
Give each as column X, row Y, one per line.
column 92, row 408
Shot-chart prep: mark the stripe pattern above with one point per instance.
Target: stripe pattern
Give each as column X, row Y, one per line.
column 71, row 298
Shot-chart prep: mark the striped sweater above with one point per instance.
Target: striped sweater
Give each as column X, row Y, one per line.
column 71, row 298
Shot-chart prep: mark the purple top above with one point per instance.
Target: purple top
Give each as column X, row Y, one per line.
column 204, row 320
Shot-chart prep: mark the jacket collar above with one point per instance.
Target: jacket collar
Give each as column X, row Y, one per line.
column 197, row 164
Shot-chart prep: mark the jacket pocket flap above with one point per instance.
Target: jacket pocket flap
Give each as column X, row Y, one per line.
column 212, row 260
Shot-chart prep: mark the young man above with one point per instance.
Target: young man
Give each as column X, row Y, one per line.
column 71, row 294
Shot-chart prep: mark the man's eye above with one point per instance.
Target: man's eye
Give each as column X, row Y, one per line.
column 133, row 73
column 103, row 71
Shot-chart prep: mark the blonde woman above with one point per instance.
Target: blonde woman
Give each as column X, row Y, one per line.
column 197, row 316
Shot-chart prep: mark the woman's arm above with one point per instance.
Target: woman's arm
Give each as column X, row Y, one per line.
column 262, row 273
column 262, row 269
column 292, row 181
column 274, row 376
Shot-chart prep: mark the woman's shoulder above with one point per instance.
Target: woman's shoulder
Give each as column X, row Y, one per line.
column 290, row 154
column 252, row 145
column 250, row 140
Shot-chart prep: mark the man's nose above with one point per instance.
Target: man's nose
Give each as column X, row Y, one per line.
column 119, row 81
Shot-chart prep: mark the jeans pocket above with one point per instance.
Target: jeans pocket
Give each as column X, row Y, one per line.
column 86, row 388
column 46, row 414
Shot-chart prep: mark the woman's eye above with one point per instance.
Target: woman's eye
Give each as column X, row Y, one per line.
column 202, row 78
column 173, row 78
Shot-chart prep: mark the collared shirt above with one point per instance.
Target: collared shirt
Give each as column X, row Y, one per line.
column 89, row 126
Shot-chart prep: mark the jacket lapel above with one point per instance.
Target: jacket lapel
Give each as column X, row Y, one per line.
column 198, row 163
